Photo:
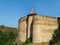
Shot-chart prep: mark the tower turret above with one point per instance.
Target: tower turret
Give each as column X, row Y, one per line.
column 29, row 22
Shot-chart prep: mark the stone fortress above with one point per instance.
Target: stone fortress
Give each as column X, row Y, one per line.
column 39, row 28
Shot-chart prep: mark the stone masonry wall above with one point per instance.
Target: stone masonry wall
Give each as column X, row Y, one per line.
column 22, row 29
column 29, row 25
column 43, row 28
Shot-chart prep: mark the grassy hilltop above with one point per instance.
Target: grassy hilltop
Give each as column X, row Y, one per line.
column 7, row 35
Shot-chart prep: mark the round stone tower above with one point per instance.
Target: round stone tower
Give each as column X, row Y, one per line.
column 36, row 29
column 30, row 23
column 22, row 29
column 25, row 26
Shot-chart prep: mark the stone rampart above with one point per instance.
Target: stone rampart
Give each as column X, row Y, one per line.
column 43, row 28
column 39, row 28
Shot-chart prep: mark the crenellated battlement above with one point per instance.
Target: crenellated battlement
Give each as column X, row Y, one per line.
column 43, row 16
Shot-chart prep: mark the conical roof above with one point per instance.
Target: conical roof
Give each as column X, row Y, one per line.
column 33, row 11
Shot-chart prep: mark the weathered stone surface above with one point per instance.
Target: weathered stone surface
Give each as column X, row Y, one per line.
column 29, row 25
column 41, row 28
column 22, row 29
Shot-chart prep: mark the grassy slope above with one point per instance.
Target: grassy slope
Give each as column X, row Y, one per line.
column 8, row 29
column 7, row 35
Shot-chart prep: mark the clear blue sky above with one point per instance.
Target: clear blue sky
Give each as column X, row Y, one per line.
column 12, row 10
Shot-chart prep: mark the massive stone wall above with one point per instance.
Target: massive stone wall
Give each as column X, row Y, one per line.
column 29, row 25
column 22, row 29
column 40, row 28
column 43, row 28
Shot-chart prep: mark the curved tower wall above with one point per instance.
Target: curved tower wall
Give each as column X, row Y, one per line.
column 43, row 28
column 22, row 29
column 29, row 25
column 36, row 30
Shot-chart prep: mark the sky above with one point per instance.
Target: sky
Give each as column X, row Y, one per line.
column 12, row 10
